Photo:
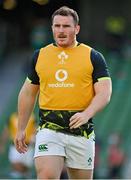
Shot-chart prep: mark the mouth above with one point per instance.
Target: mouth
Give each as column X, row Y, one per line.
column 62, row 39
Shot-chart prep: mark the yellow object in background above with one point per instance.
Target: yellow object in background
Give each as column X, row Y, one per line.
column 30, row 130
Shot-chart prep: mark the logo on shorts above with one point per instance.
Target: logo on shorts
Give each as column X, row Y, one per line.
column 43, row 147
column 89, row 161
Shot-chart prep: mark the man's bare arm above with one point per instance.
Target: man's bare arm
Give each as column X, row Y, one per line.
column 103, row 91
column 26, row 102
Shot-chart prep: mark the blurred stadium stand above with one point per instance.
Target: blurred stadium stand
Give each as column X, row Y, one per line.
column 116, row 116
column 11, row 76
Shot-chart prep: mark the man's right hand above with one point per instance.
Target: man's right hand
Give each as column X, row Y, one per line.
column 19, row 142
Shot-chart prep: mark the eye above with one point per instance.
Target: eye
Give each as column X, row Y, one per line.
column 56, row 25
column 66, row 26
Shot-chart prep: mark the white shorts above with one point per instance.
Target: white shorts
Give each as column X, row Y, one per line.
column 26, row 158
column 78, row 151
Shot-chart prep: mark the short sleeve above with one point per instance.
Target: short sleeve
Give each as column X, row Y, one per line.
column 32, row 75
column 100, row 69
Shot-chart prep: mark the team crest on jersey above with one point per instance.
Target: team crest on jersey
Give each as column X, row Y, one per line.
column 62, row 56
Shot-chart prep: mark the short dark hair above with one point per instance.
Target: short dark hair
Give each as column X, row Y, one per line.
column 66, row 11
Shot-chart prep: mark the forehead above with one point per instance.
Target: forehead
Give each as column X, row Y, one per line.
column 58, row 19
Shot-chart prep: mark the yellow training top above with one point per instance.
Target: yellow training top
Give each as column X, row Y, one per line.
column 66, row 76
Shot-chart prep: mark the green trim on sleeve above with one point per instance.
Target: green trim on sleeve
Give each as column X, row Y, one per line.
column 27, row 79
column 103, row 78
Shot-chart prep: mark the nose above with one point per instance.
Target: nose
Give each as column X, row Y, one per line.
column 61, row 29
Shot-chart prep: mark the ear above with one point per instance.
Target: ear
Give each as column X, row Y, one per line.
column 77, row 29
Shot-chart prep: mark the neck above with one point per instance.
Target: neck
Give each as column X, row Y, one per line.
column 74, row 44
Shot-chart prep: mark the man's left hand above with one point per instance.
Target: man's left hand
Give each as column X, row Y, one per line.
column 78, row 119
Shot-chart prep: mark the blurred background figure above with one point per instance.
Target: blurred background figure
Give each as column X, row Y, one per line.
column 115, row 27
column 116, row 156
column 20, row 164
